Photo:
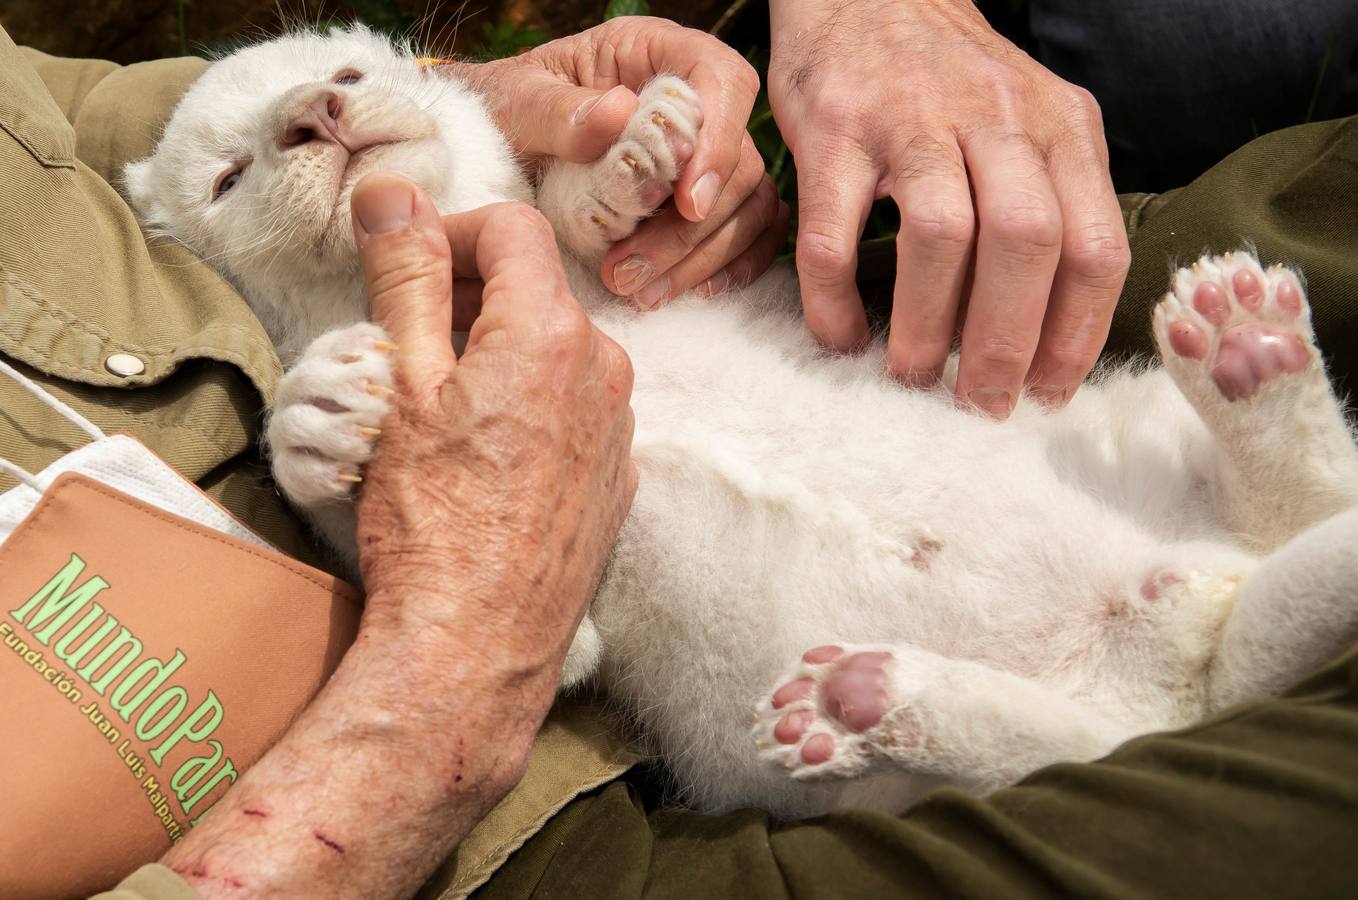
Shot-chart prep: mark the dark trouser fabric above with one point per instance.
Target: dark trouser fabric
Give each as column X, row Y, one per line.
column 1259, row 801
column 1184, row 82
column 1293, row 195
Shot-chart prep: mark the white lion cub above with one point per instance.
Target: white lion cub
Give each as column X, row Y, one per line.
column 897, row 592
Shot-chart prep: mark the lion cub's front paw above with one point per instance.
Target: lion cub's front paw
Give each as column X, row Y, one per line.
column 328, row 414
column 602, row 202
column 638, row 172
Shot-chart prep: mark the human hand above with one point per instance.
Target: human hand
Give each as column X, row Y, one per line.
column 506, row 472
column 570, row 98
column 496, row 492
column 1010, row 227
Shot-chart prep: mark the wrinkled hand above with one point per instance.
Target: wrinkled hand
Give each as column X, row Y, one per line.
column 506, row 472
column 570, row 98
column 495, row 493
column 1009, row 224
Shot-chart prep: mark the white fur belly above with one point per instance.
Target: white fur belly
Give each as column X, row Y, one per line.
column 818, row 476
column 789, row 500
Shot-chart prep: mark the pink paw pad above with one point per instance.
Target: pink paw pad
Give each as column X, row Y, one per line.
column 792, row 692
column 792, row 726
column 1252, row 355
column 825, row 654
column 819, row 748
column 855, row 692
column 1154, row 588
column 1211, row 301
column 824, row 718
column 1188, row 340
column 1246, row 324
column 1248, row 290
column 1289, row 298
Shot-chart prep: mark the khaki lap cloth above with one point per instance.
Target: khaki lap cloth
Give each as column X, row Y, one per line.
column 1259, row 801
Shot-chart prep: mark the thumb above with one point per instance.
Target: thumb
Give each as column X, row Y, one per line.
column 408, row 270
column 545, row 116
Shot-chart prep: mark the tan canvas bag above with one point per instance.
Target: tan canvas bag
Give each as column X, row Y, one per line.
column 147, row 658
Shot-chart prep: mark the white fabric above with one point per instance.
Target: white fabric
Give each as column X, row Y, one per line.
column 125, row 465
column 121, row 463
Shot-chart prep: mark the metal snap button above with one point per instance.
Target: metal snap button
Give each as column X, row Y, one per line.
column 124, row 365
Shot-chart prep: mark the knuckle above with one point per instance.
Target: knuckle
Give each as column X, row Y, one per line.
column 623, row 374
column 824, row 257
column 838, row 109
column 1083, row 109
column 521, row 216
column 745, row 75
column 675, row 244
column 929, row 345
column 567, row 329
column 411, row 271
column 939, row 225
column 999, row 354
column 1067, row 363
column 1101, row 253
column 1026, row 225
column 750, row 167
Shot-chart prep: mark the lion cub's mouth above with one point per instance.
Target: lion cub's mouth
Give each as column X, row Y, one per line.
column 357, row 163
column 364, row 152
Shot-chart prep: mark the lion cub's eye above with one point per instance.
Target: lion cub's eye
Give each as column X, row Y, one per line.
column 227, row 182
column 348, row 76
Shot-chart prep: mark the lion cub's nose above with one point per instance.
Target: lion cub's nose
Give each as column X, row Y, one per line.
column 316, row 118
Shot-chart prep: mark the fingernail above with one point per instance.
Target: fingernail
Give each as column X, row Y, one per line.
column 917, row 378
column 704, row 194
column 630, row 274
column 653, row 293
column 1053, row 395
column 714, row 285
column 996, row 402
column 584, row 109
column 385, row 207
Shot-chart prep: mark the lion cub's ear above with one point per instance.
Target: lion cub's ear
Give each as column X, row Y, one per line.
column 137, row 186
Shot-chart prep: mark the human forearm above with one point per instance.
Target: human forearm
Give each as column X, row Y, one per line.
column 801, row 13
column 380, row 778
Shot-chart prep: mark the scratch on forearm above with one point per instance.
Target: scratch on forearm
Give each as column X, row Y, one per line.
column 329, row 843
column 202, row 877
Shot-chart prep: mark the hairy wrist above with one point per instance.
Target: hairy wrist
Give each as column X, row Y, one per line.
column 795, row 22
column 395, row 761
